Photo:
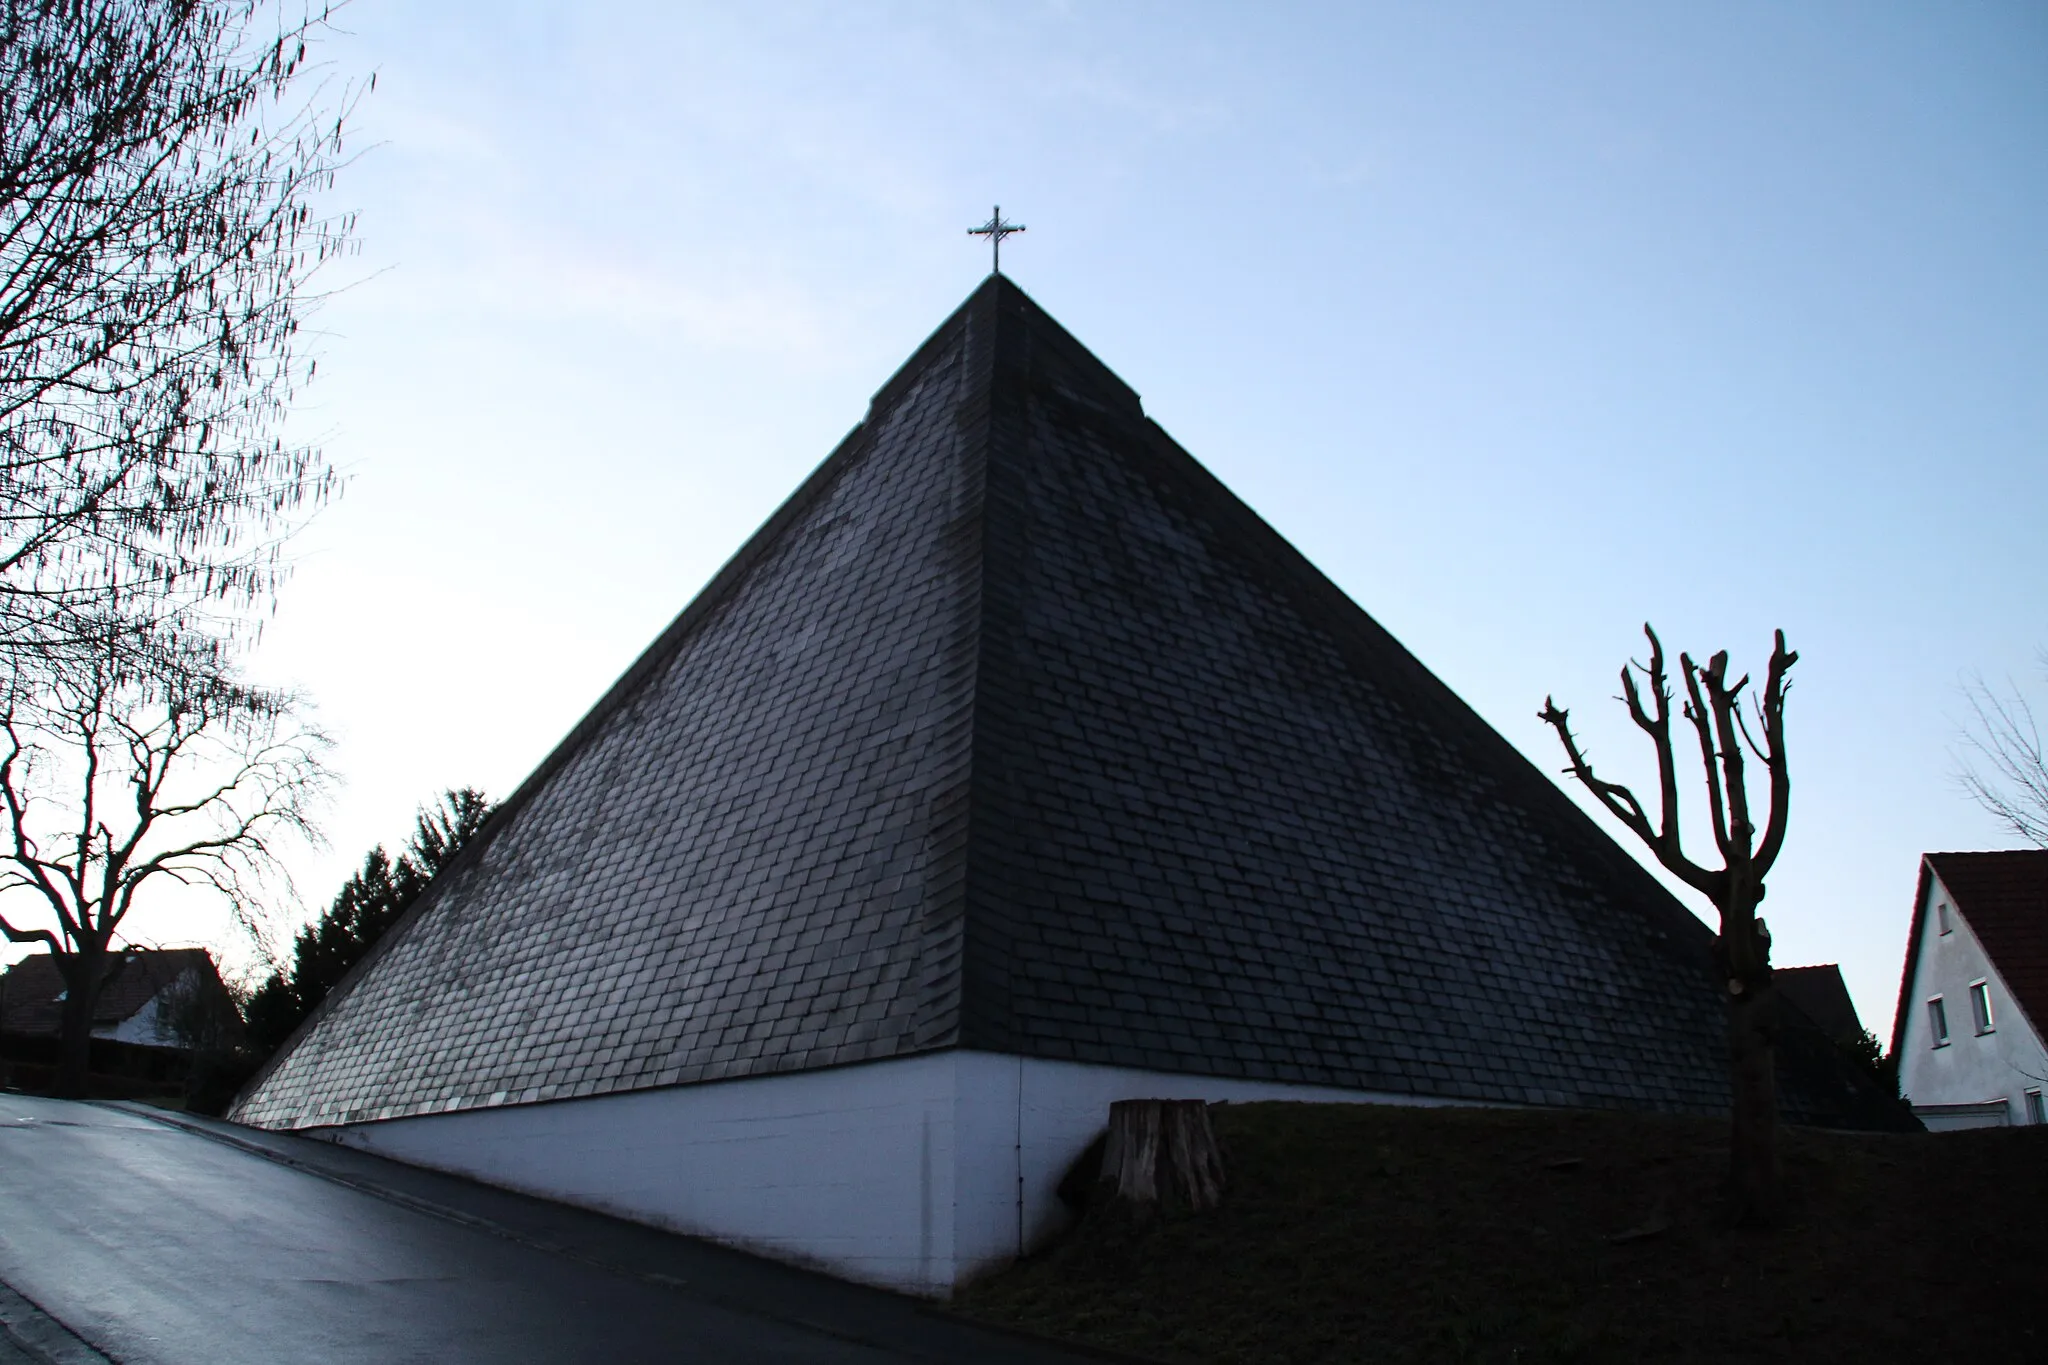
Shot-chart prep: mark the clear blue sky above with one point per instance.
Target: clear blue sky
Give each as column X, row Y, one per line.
column 1525, row 322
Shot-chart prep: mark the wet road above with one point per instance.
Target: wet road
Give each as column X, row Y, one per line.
column 161, row 1246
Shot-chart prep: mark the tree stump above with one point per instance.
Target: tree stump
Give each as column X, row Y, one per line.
column 1160, row 1152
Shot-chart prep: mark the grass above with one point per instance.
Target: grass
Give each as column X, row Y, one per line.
column 1381, row 1233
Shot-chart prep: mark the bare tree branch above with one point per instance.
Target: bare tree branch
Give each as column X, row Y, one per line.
column 1664, row 838
column 1696, row 711
column 1772, row 709
column 215, row 771
column 159, row 169
column 2004, row 766
column 1619, row 800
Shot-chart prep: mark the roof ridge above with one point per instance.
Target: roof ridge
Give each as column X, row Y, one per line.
column 1989, row 853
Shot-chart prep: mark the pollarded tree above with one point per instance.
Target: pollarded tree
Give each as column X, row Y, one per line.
column 1742, row 951
column 116, row 784
column 160, row 165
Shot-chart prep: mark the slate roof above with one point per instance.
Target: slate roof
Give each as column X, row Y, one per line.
column 1823, row 996
column 2003, row 897
column 1015, row 730
column 31, row 992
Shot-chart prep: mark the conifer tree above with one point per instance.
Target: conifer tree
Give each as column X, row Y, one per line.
column 368, row 904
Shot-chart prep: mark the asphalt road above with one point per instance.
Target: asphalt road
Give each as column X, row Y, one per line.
column 159, row 1245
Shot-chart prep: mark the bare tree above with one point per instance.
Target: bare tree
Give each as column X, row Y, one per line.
column 114, row 784
column 160, row 163
column 2008, row 775
column 1742, row 951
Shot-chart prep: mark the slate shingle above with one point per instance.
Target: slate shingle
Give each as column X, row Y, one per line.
column 1015, row 730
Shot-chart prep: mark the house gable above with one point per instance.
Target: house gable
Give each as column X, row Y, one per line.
column 1974, row 1075
column 32, row 993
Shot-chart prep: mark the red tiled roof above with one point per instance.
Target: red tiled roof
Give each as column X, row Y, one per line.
column 2003, row 897
column 30, row 991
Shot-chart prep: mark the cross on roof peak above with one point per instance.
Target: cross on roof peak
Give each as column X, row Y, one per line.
column 995, row 229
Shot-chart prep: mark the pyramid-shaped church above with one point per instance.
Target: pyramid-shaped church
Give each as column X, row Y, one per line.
column 1013, row 767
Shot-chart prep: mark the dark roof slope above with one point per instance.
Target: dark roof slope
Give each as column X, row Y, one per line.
column 31, row 994
column 1222, row 821
column 2003, row 897
column 1016, row 730
column 749, row 856
column 1824, row 997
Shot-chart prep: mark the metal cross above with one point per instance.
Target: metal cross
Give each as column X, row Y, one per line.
column 995, row 229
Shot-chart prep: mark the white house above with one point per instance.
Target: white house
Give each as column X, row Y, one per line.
column 1974, row 993
column 142, row 988
column 1013, row 768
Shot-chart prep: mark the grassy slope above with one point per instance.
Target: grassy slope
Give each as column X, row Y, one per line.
column 1367, row 1233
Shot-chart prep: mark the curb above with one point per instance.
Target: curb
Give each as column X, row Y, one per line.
column 41, row 1336
column 172, row 1119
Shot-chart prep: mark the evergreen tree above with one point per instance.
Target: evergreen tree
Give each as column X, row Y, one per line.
column 369, row 903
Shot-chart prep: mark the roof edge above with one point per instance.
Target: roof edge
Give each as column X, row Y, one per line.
column 1686, row 929
column 713, row 594
column 1912, row 967
column 894, row 386
column 649, row 661
column 655, row 655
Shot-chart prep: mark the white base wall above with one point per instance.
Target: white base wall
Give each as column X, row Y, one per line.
column 1953, row 1118
column 916, row 1173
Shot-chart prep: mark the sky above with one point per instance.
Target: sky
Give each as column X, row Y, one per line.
column 1525, row 323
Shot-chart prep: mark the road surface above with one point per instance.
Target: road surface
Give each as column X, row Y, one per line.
column 155, row 1244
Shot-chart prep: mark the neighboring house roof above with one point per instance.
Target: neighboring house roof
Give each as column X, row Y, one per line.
column 2003, row 897
column 31, row 993
column 1824, row 996
column 1015, row 730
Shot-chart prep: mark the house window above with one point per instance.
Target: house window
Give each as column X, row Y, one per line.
column 1980, row 1005
column 2036, row 1111
column 1941, row 914
column 1937, row 1020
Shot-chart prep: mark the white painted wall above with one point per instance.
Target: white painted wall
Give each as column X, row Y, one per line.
column 144, row 1026
column 1981, row 1071
column 916, row 1173
column 149, row 1025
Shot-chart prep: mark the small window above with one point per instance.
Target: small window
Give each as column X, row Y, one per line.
column 2036, row 1111
column 1937, row 1020
column 1941, row 914
column 1980, row 1005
